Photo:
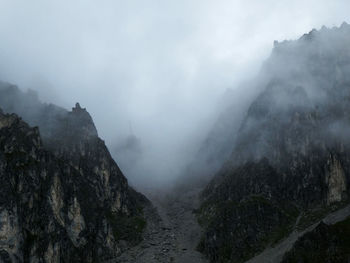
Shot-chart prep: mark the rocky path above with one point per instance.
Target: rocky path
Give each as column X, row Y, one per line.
column 172, row 232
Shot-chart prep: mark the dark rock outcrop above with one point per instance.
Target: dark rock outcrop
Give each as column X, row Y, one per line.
column 325, row 244
column 62, row 198
column 292, row 152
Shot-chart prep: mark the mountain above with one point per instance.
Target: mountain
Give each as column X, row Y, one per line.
column 290, row 164
column 63, row 198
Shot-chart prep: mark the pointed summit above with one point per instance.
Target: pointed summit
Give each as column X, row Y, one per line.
column 344, row 25
column 80, row 122
column 78, row 108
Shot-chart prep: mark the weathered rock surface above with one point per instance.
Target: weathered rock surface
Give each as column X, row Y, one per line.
column 62, row 198
column 275, row 253
column 291, row 159
column 325, row 244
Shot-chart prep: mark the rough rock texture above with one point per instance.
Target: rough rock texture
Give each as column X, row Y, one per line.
column 291, row 159
column 63, row 199
column 325, row 244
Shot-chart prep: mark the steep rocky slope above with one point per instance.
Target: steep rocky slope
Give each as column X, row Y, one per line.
column 291, row 159
column 326, row 243
column 63, row 198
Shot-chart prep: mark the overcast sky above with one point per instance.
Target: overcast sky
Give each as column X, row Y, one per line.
column 158, row 67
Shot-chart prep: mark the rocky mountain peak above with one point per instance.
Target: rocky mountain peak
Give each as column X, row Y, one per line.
column 290, row 156
column 77, row 107
column 63, row 200
column 80, row 121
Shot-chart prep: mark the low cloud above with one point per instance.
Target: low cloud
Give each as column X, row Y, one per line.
column 158, row 66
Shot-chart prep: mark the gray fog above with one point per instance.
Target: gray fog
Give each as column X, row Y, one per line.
column 152, row 74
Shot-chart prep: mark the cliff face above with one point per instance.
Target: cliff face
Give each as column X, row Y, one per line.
column 63, row 198
column 291, row 157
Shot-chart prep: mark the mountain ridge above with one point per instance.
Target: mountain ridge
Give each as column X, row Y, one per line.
column 63, row 198
column 291, row 155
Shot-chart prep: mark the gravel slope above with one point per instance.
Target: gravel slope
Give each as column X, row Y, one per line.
column 172, row 232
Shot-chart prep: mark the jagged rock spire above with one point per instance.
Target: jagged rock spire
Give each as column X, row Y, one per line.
column 78, row 108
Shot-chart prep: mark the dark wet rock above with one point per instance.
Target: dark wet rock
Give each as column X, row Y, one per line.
column 63, row 198
column 291, row 154
column 325, row 244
